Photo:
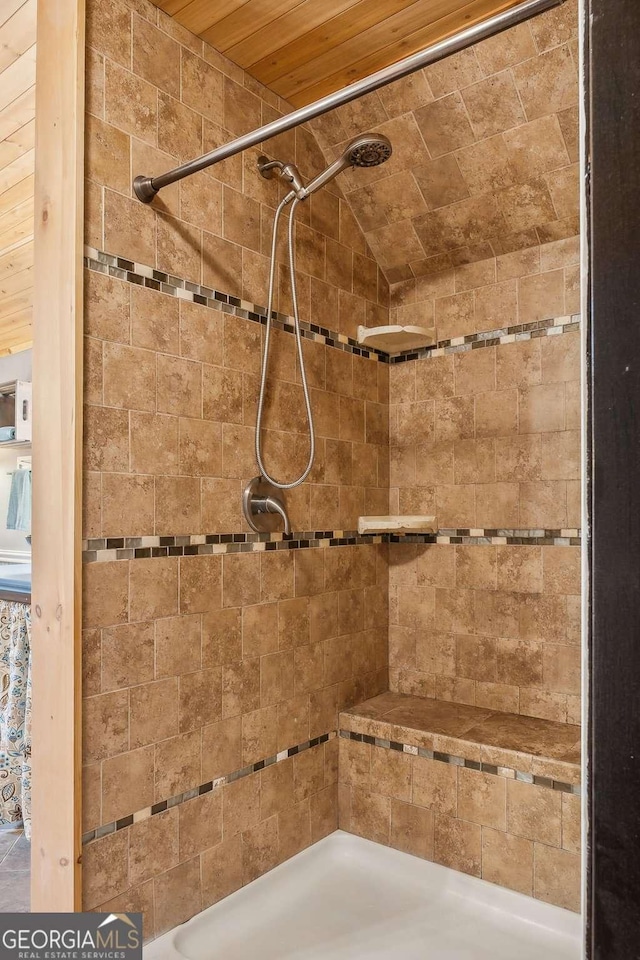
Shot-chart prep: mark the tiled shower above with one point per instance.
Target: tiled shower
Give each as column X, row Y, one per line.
column 245, row 695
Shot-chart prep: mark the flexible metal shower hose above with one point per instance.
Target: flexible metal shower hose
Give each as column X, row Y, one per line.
column 265, row 354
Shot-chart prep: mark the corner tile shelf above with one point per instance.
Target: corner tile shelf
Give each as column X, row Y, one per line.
column 397, row 525
column 394, row 338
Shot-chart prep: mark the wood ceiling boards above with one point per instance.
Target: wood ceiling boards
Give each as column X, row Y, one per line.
column 17, row 131
column 306, row 49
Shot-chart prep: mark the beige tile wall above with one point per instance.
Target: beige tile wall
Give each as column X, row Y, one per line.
column 198, row 666
column 525, row 286
column 156, row 96
column 489, row 438
column 181, row 861
column 172, row 386
column 171, row 392
column 195, row 666
column 518, row 835
column 493, row 626
column 485, row 151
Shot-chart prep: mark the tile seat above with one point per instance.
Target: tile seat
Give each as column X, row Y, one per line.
column 529, row 745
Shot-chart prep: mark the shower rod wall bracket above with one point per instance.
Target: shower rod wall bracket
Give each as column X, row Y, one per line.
column 146, row 188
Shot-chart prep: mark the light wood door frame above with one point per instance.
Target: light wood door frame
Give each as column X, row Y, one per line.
column 57, row 457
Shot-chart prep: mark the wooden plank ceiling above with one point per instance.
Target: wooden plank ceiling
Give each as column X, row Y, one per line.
column 17, row 131
column 305, row 49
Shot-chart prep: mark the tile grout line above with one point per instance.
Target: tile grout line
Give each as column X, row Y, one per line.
column 163, row 805
column 105, row 549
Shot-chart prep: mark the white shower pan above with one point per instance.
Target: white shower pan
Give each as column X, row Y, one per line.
column 349, row 899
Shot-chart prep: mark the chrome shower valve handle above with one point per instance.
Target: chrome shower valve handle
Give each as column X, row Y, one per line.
column 260, row 499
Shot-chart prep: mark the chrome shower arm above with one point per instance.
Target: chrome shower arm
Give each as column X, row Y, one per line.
column 146, row 188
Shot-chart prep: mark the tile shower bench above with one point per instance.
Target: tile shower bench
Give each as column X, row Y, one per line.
column 494, row 795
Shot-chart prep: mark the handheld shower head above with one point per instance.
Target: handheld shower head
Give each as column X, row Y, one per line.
column 367, row 150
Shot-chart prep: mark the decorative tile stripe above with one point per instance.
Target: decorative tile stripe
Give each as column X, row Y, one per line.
column 144, row 548
column 471, row 537
column 203, row 788
column 145, row 276
column 507, row 772
column 100, row 550
column 491, row 338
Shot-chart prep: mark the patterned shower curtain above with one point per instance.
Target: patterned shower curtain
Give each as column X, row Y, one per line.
column 15, row 714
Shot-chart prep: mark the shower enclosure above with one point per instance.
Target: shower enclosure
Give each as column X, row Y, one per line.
column 273, row 702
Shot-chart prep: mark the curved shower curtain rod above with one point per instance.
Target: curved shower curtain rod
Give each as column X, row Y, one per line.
column 146, row 188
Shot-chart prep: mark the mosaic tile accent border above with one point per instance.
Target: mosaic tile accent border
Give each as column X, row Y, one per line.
column 146, row 276
column 144, row 548
column 101, row 550
column 203, row 788
column 552, row 327
column 471, row 537
column 507, row 772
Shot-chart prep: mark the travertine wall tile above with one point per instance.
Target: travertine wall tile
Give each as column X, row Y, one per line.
column 485, row 153
column 500, row 454
column 197, row 666
column 519, row 835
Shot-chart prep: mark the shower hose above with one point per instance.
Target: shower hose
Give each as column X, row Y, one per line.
column 267, row 341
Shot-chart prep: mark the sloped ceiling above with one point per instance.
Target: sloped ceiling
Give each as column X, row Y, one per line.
column 304, row 49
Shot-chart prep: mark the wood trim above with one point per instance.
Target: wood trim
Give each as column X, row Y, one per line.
column 613, row 492
column 57, row 445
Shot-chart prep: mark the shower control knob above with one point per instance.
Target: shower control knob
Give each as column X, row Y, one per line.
column 260, row 499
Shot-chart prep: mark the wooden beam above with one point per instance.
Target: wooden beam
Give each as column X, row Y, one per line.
column 57, row 445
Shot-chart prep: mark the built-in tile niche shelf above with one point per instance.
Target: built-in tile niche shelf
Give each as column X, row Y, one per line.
column 397, row 525
column 394, row 338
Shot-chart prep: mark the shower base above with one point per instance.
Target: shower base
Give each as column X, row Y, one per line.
column 348, row 899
